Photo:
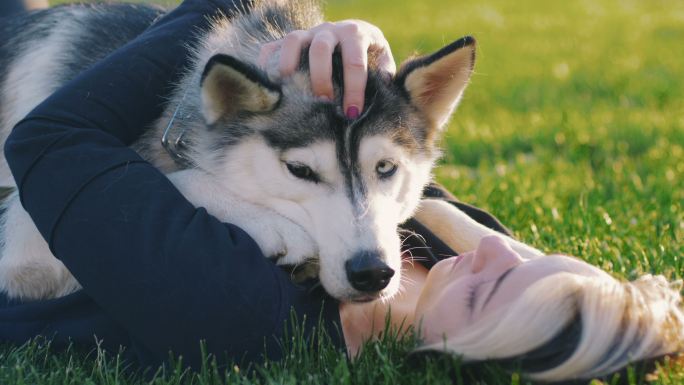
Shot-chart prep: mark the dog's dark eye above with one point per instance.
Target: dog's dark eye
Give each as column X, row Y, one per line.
column 302, row 171
column 385, row 168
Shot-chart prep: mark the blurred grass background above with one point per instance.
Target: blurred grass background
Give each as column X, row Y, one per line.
column 571, row 132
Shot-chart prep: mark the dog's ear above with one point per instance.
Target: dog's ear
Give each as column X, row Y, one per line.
column 230, row 86
column 435, row 83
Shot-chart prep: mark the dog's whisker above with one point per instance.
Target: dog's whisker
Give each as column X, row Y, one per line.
column 418, row 248
column 408, row 262
column 407, row 280
column 414, row 234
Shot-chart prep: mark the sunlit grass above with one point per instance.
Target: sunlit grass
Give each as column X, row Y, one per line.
column 572, row 132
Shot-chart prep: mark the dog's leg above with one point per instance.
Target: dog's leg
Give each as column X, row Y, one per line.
column 459, row 231
column 28, row 270
column 278, row 237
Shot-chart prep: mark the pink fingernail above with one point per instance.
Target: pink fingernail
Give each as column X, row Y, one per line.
column 324, row 98
column 352, row 112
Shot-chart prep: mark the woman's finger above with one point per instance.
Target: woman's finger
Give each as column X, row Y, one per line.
column 385, row 59
column 355, row 67
column 355, row 38
column 291, row 49
column 320, row 63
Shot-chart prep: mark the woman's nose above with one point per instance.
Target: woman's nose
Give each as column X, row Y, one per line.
column 494, row 250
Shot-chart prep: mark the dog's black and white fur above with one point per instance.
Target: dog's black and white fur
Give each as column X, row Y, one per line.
column 253, row 149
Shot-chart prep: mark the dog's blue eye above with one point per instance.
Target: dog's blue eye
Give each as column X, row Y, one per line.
column 302, row 171
column 385, row 169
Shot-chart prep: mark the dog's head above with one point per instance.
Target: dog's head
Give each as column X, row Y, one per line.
column 349, row 184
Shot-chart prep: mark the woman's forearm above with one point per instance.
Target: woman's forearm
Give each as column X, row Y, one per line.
column 461, row 232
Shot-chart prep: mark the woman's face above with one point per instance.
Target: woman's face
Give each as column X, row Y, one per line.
column 461, row 290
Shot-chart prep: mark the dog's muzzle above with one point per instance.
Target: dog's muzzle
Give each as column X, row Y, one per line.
column 367, row 272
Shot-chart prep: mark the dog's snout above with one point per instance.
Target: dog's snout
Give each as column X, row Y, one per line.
column 367, row 272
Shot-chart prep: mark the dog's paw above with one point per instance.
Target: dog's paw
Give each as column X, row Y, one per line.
column 279, row 238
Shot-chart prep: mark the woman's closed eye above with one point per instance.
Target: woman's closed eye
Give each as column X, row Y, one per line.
column 474, row 295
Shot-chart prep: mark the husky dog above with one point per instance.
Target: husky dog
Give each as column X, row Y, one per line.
column 253, row 149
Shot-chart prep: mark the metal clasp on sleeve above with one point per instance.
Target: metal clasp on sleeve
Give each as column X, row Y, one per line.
column 175, row 147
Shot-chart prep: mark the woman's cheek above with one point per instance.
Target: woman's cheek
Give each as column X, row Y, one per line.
column 443, row 312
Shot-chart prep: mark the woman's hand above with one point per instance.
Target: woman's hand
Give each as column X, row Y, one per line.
column 354, row 37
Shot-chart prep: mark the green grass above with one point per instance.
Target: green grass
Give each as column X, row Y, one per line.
column 572, row 133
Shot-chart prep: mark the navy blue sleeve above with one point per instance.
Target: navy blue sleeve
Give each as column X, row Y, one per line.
column 73, row 320
column 170, row 274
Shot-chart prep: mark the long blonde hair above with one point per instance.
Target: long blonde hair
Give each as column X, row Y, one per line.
column 615, row 323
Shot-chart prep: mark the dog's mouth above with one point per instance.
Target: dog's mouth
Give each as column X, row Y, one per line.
column 368, row 297
column 364, row 298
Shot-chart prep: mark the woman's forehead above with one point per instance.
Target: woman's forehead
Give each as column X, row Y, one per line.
column 527, row 273
column 530, row 271
column 563, row 263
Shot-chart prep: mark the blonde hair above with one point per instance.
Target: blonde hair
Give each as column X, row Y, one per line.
column 614, row 323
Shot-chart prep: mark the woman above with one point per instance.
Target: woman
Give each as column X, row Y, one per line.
column 555, row 318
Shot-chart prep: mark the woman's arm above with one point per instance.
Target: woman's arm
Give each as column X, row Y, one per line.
column 169, row 273
column 460, row 231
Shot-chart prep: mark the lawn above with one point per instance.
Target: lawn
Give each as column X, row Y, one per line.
column 571, row 132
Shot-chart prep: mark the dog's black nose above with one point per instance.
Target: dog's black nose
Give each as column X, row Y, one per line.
column 367, row 272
